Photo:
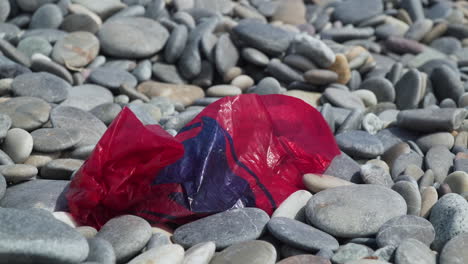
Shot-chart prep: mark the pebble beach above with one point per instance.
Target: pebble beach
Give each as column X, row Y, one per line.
column 390, row 78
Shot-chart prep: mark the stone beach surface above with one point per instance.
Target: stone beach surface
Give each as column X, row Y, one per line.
column 389, row 77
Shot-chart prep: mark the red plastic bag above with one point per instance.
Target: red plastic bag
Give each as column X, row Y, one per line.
column 243, row 151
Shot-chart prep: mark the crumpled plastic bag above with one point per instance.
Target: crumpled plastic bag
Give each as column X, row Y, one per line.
column 242, row 151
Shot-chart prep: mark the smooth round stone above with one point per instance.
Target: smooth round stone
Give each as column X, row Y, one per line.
column 373, row 174
column 283, row 72
column 200, row 253
column 133, row 38
column 403, row 161
column 18, row 144
column 310, row 259
column 293, row 206
column 44, row 194
column 354, row 211
column 76, row 49
column 341, row 67
column 410, row 193
column 264, row 37
column 147, row 113
column 47, row 16
column 43, row 85
column 104, row 8
column 449, row 216
column 165, row 254
column 381, row 87
column 253, row 252
column 354, row 11
column 349, row 252
column 419, row 29
column 176, row 43
column 342, row 98
column 5, row 125
column 225, row 229
column 66, row 218
column 429, row 198
column 226, row 54
column 87, row 231
column 91, row 128
column 158, row 240
column 267, row 85
column 54, row 139
column 446, row 83
column 321, row 77
column 454, row 251
column 137, row 233
column 344, row 167
column 26, row 112
column 413, row 251
column 447, row 45
column 360, row 144
column 167, row 73
column 300, row 235
column 112, row 78
column 100, row 251
column 143, row 71
column 185, row 94
column 18, row 172
column 60, row 169
column 32, row 45
column 255, row 57
column 106, row 112
column 46, row 65
column 366, row 96
column 458, row 181
column 5, row 9
column 319, row 182
column 26, row 235
column 314, row 49
column 87, row 97
column 223, row 90
column 398, row 229
column 440, row 160
column 408, row 90
column 80, row 22
column 243, row 82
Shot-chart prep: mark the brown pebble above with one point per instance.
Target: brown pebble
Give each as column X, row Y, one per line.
column 291, row 12
column 428, row 200
column 341, row 67
column 320, row 77
column 401, row 45
column 444, row 189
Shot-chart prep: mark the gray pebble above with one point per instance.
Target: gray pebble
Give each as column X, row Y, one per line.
column 351, row 252
column 47, row 16
column 360, row 144
column 100, row 251
column 60, row 169
column 413, row 251
column 43, row 85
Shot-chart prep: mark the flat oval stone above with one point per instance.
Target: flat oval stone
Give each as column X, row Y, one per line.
column 454, row 251
column 133, row 37
column 397, row 229
column 176, row 44
column 409, row 191
column 87, row 97
column 444, row 139
column 54, row 139
column 351, row 251
column 319, row 182
column 223, row 90
column 3, row 186
column 446, row 83
column 226, row 54
column 26, row 235
column 402, row 161
column 293, row 206
column 355, row 210
column 255, row 57
column 100, row 251
column 135, row 230
column 60, row 169
column 47, row 16
column 18, row 172
column 360, row 144
column 18, row 144
column 225, row 229
column 440, row 160
column 321, row 77
column 310, row 259
column 252, row 252
column 167, row 73
column 431, row 120
column 91, row 128
column 200, row 253
column 354, row 11
column 43, row 85
column 300, row 235
column 342, row 98
column 411, row 249
column 185, row 94
column 165, row 254
column 80, row 22
column 381, row 87
column 458, row 181
column 44, row 194
column 408, row 90
column 76, row 50
column 112, row 78
column 32, row 45
column 264, row 37
column 449, row 218
column 314, row 49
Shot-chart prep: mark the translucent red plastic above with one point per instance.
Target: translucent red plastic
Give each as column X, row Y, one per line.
column 243, row 151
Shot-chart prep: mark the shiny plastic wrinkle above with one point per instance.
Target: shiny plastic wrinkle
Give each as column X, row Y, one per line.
column 243, row 151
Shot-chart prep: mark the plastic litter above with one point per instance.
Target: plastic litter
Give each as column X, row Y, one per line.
column 243, row 151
